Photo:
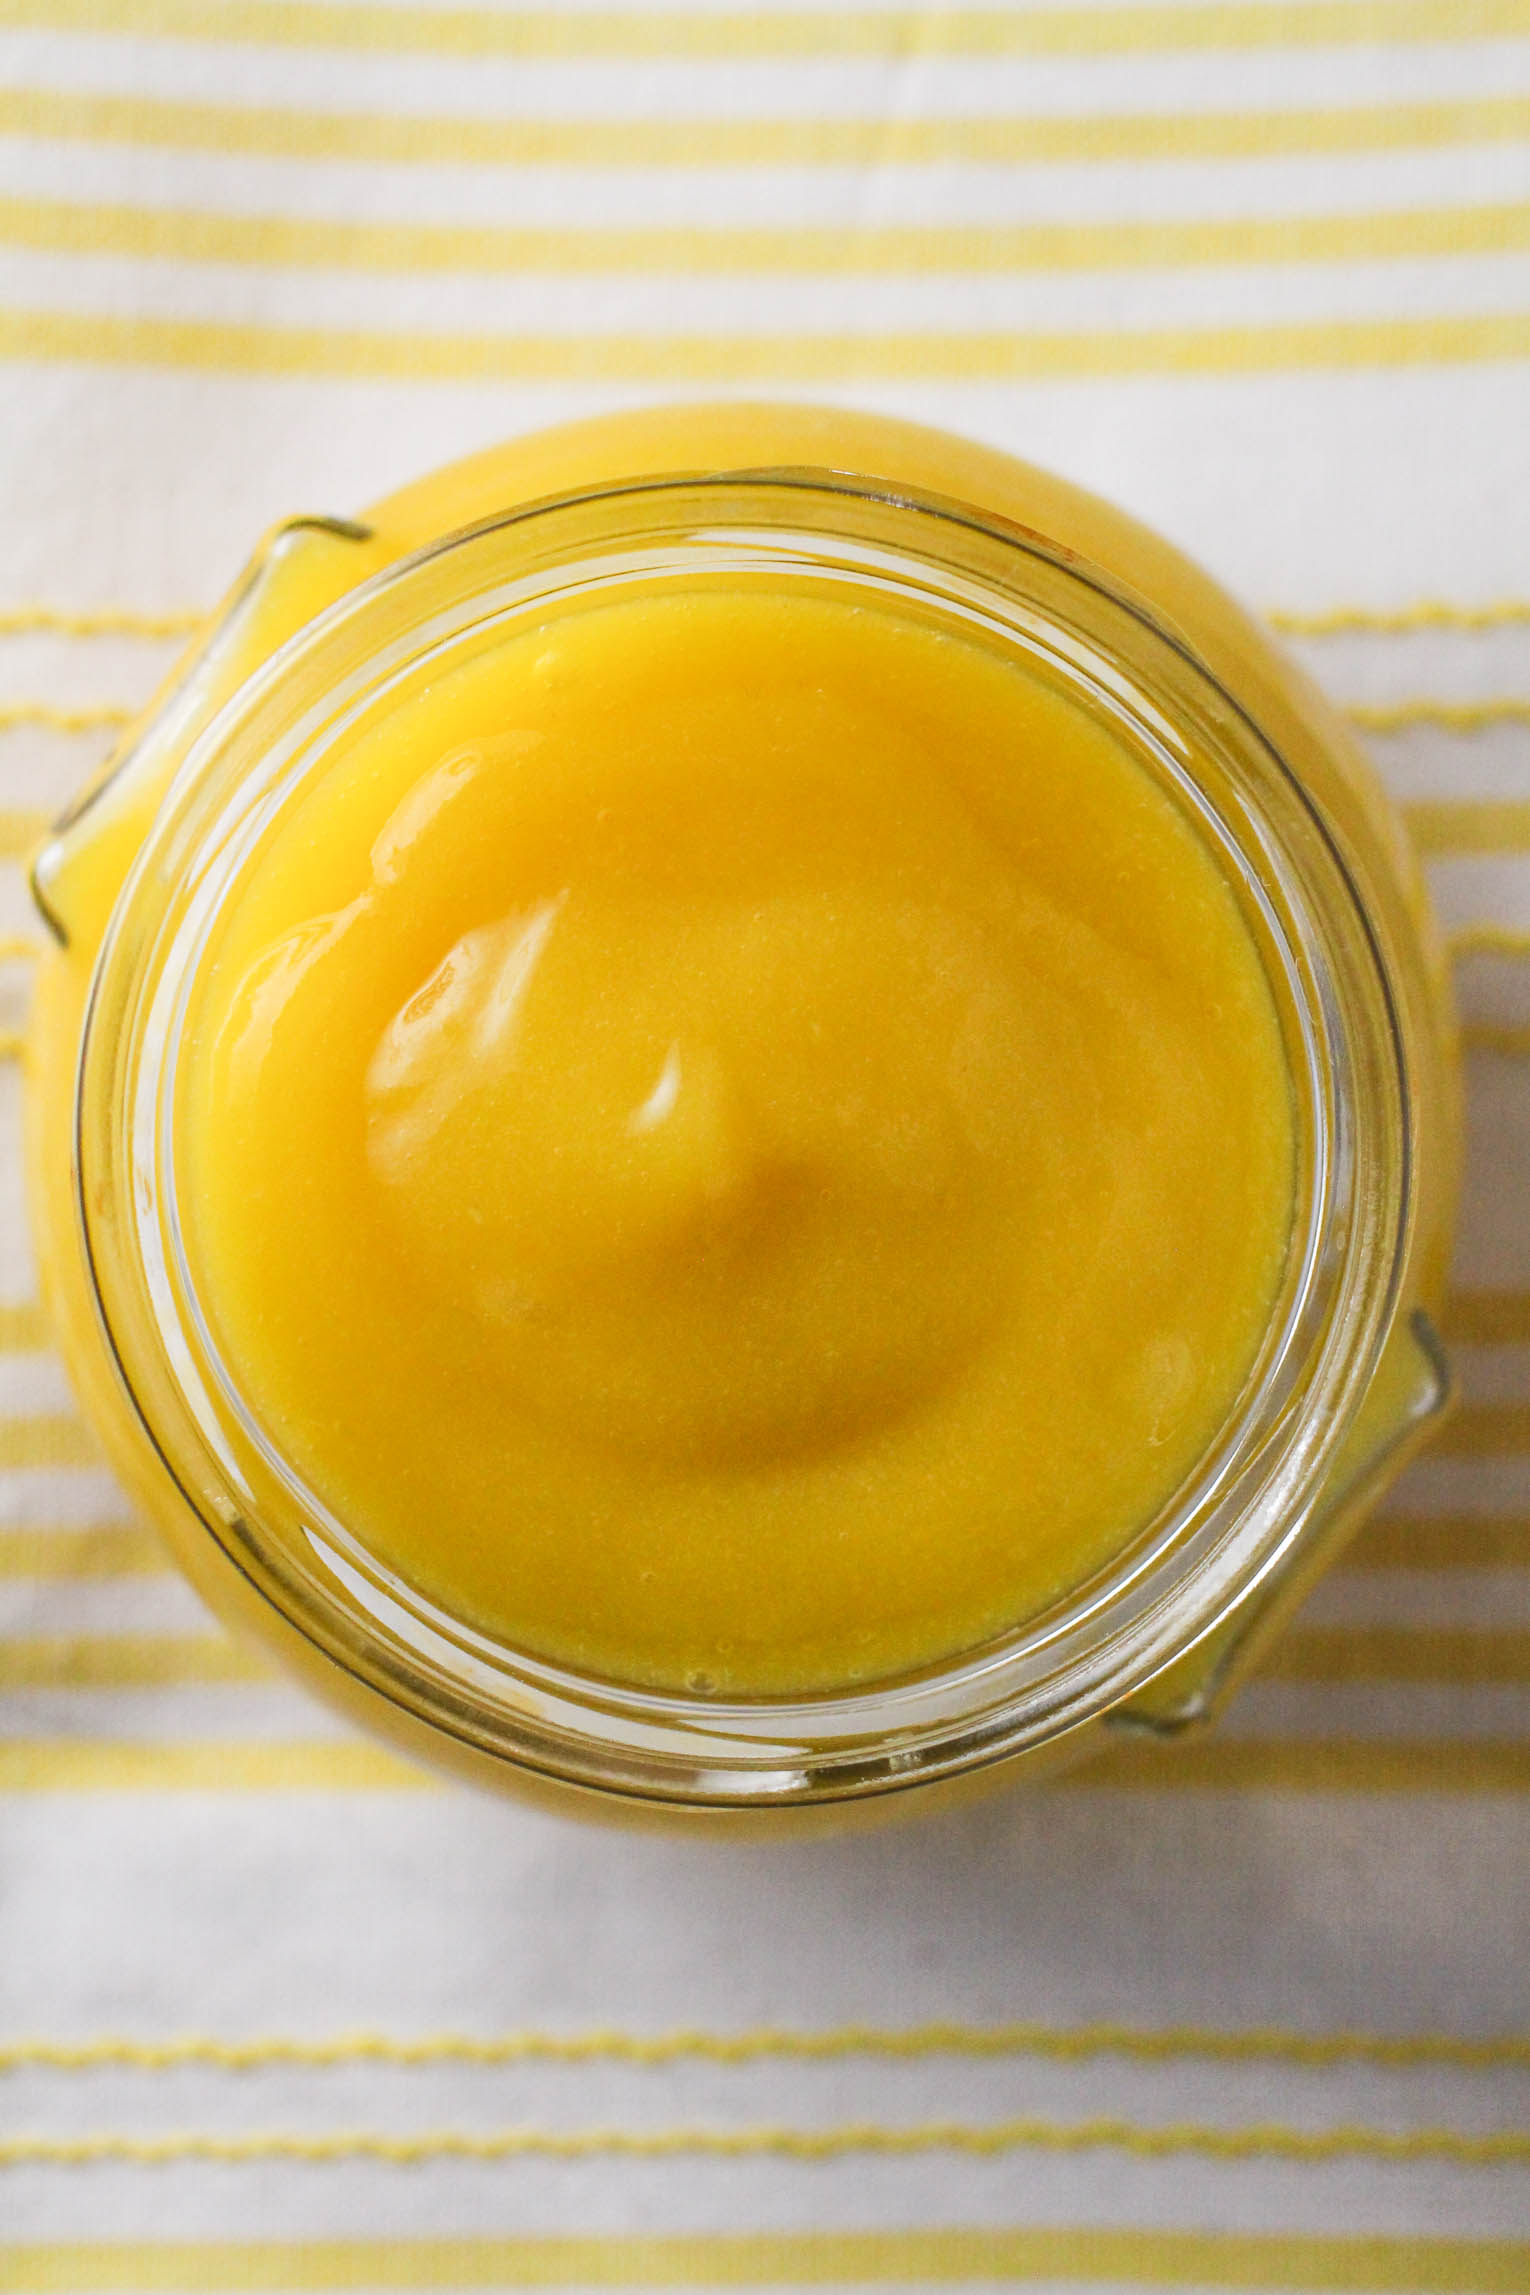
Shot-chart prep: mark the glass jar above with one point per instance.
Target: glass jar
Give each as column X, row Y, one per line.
column 330, row 616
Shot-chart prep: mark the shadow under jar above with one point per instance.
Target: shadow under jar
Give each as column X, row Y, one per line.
column 335, row 635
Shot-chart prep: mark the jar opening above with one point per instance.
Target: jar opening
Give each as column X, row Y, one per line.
column 1229, row 1520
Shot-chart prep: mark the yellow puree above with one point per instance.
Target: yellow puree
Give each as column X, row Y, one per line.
column 739, row 1141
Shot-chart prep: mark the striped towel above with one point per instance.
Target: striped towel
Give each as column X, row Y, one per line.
column 277, row 2014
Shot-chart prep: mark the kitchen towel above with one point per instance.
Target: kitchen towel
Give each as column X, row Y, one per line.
column 276, row 2012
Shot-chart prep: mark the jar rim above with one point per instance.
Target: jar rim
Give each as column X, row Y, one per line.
column 1174, row 1581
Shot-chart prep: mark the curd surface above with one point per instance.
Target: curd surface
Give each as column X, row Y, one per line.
column 739, row 1139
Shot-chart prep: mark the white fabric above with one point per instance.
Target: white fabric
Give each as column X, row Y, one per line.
column 179, row 1855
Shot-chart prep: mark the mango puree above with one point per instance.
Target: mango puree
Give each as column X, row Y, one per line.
column 739, row 1140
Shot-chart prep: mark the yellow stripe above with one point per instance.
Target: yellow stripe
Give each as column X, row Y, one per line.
column 1488, row 940
column 1335, row 621
column 1442, row 1542
column 24, row 1327
column 94, row 719
column 359, row 354
column 1485, row 1430
column 1509, row 2147
column 1398, row 621
column 84, row 1765
column 1510, row 1042
column 174, row 234
column 1307, row 1653
column 1452, row 825
column 1062, row 2044
column 1387, row 717
column 1452, row 716
column 111, row 1550
column 549, row 33
column 709, row 142
column 50, row 1438
column 20, row 829
column 1449, row 1542
column 1260, row 2263
column 1397, row 1653
column 1487, row 1318
column 125, row 1661
column 94, row 622
column 245, row 1765
column 1337, row 1765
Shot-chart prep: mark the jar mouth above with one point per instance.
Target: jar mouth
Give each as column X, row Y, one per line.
column 1178, row 1576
